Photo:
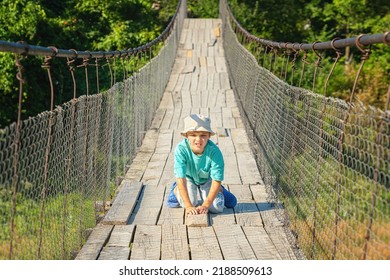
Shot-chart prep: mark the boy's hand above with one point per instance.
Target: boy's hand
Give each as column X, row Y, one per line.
column 202, row 209
column 191, row 210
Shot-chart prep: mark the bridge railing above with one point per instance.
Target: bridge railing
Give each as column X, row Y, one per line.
column 59, row 169
column 324, row 161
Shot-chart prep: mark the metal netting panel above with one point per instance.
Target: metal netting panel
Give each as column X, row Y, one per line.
column 325, row 161
column 61, row 168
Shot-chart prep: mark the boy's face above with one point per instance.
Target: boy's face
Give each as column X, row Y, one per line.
column 198, row 140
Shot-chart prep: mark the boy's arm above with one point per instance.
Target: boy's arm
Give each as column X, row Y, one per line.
column 182, row 187
column 214, row 189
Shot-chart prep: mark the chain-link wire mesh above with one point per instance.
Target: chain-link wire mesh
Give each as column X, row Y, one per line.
column 58, row 171
column 323, row 160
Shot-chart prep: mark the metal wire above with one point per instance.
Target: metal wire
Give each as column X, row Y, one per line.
column 59, row 169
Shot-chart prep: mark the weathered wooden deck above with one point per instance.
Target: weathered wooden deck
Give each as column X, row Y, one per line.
column 139, row 226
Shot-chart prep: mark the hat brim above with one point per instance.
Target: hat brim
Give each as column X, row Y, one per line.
column 200, row 129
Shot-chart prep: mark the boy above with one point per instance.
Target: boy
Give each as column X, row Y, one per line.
column 199, row 167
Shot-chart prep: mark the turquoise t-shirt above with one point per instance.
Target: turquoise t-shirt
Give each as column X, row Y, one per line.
column 201, row 168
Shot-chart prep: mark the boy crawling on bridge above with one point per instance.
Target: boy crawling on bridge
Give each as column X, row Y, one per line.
column 199, row 170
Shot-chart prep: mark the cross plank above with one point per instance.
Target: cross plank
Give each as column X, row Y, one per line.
column 155, row 168
column 115, row 253
column 175, row 118
column 174, row 244
column 95, row 242
column 164, row 141
column 279, row 239
column 158, row 117
column 203, row 244
column 166, row 122
column 123, row 204
column 118, row 246
column 248, row 168
column 261, row 243
column 200, row 220
column 247, row 213
column 231, row 101
column 146, row 244
column 171, row 215
column 121, row 236
column 138, row 166
column 233, row 243
column 225, row 218
column 240, row 140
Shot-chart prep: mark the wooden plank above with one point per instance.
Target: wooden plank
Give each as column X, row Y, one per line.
column 146, row 244
column 220, row 64
column 203, row 244
column 240, row 140
column 121, row 236
column 185, row 112
column 279, row 239
column 154, row 169
column 211, row 62
column 216, row 118
column 187, row 82
column 118, row 246
column 196, row 99
column 202, row 62
column 138, row 166
column 217, row 84
column 221, row 98
column 205, row 97
column 186, row 99
column 175, row 118
column 164, row 141
column 232, row 175
column 115, row 253
column 231, row 102
column 233, row 243
column 178, row 66
column 179, row 85
column 247, row 213
column 241, row 191
column 166, row 122
column 248, row 169
column 172, row 82
column 167, row 177
column 174, row 244
column 149, row 206
column 123, row 204
column 204, row 111
column 146, row 215
column 225, row 218
column 171, row 216
column 200, row 220
column 210, row 84
column 95, row 242
column 202, row 85
column 227, row 118
column 158, row 117
column 261, row 243
column 149, row 142
column 225, row 82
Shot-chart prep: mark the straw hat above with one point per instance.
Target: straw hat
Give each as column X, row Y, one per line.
column 195, row 122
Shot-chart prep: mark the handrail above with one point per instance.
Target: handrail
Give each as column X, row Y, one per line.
column 366, row 39
column 34, row 50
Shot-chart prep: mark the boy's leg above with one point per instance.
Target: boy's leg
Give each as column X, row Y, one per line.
column 192, row 190
column 219, row 201
column 230, row 199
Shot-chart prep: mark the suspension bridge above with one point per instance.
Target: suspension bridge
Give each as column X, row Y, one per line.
column 310, row 172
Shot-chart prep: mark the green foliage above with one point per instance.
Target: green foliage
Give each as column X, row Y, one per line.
column 71, row 24
column 203, row 8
